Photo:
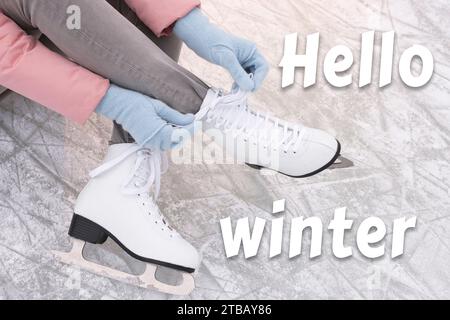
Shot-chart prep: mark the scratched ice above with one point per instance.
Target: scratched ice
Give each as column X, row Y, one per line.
column 397, row 137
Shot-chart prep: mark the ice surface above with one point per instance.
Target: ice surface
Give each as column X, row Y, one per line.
column 397, row 137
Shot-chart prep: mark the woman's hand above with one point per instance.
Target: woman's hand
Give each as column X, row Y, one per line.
column 240, row 57
column 150, row 122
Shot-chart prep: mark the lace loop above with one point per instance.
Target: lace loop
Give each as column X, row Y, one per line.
column 147, row 171
column 232, row 114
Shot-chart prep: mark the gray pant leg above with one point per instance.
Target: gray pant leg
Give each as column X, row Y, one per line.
column 110, row 45
column 169, row 45
column 114, row 43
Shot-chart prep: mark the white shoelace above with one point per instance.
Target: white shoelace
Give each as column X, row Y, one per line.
column 147, row 171
column 232, row 114
column 149, row 167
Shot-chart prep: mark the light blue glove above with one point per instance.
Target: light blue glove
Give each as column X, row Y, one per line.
column 240, row 57
column 149, row 121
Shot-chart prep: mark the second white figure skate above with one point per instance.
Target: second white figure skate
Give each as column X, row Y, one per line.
column 263, row 141
column 117, row 203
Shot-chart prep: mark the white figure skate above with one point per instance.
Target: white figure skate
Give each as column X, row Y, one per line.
column 262, row 141
column 117, row 203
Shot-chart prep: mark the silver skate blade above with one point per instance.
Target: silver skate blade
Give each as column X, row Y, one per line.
column 146, row 280
column 150, row 281
column 341, row 163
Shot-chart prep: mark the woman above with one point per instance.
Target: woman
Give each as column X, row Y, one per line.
column 121, row 63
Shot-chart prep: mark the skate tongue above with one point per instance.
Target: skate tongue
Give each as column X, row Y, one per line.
column 211, row 100
column 147, row 170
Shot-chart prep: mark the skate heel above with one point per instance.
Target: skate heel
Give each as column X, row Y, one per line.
column 86, row 230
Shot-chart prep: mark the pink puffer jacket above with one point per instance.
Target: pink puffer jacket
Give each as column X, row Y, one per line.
column 29, row 68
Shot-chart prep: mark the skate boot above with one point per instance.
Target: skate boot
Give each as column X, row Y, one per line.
column 262, row 141
column 117, row 203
